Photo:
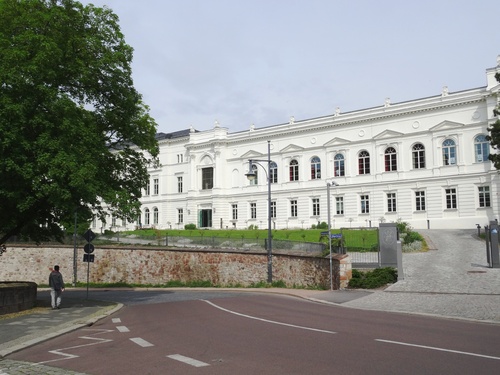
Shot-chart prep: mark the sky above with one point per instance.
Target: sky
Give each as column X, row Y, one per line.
column 259, row 62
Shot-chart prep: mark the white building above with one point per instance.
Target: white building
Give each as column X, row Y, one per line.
column 423, row 161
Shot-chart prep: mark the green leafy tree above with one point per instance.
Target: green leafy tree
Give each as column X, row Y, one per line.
column 494, row 136
column 75, row 135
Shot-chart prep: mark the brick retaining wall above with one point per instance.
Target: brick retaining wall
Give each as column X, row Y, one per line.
column 147, row 265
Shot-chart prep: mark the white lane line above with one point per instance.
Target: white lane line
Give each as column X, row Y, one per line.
column 71, row 356
column 141, row 342
column 122, row 329
column 268, row 321
column 438, row 349
column 187, row 360
column 116, row 320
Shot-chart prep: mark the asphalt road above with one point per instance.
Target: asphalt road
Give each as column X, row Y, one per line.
column 241, row 333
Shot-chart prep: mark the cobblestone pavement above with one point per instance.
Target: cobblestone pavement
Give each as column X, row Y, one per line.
column 450, row 280
column 8, row 367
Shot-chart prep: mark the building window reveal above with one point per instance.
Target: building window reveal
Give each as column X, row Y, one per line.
column 481, row 148
column 180, row 215
column 420, row 200
column 273, row 170
column 315, row 168
column 484, row 196
column 339, row 165
column 207, row 178
column 364, row 162
column 418, row 154
column 365, row 204
column 451, row 198
column 155, row 215
column 293, row 208
column 294, row 170
column 273, row 210
column 156, row 186
column 391, row 202
column 449, row 152
column 315, row 206
column 253, row 210
column 339, row 205
column 391, row 163
column 179, row 184
column 234, row 208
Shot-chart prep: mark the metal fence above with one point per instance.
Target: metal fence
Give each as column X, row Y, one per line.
column 227, row 244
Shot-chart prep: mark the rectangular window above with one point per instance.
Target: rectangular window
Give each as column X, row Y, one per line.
column 451, row 198
column 293, row 208
column 179, row 184
column 420, row 200
column 180, row 158
column 207, row 178
column 315, row 203
column 339, row 205
column 484, row 196
column 391, row 202
column 156, row 186
column 148, row 189
column 234, row 208
column 273, row 210
column 253, row 210
column 180, row 215
column 113, row 221
column 365, row 204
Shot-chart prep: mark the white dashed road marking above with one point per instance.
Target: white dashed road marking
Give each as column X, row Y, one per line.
column 122, row 329
column 187, row 360
column 141, row 342
column 269, row 321
column 438, row 349
column 116, row 320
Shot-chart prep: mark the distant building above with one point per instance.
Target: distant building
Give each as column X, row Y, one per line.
column 423, row 161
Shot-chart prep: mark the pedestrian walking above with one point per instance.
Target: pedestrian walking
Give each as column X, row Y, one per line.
column 56, row 284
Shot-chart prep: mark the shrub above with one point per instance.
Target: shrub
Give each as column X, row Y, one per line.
column 373, row 279
column 412, row 237
column 190, row 226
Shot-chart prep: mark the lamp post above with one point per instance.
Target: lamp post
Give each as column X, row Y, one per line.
column 328, row 186
column 251, row 176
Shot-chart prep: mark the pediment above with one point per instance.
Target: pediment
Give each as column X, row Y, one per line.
column 446, row 125
column 388, row 134
column 252, row 154
column 337, row 141
column 291, row 148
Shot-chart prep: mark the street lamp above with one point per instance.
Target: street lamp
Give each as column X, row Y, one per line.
column 251, row 176
column 328, row 186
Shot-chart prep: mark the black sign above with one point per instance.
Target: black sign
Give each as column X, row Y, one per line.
column 89, row 235
column 88, row 258
column 88, row 248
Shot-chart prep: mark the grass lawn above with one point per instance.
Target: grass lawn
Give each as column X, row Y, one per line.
column 353, row 238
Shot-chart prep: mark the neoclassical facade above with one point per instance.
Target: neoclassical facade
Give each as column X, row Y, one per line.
column 423, row 161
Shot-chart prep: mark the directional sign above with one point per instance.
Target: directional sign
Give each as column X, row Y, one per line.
column 89, row 235
column 88, row 258
column 89, row 248
column 324, row 233
column 335, row 235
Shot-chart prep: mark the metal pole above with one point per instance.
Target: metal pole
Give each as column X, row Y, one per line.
column 75, row 254
column 329, row 232
column 269, row 233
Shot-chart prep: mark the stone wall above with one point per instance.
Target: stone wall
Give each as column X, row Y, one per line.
column 17, row 296
column 148, row 265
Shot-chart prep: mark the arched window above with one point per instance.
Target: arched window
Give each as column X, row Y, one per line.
column 391, row 162
column 273, row 170
column 418, row 156
column 294, row 170
column 146, row 216
column 364, row 162
column 155, row 215
column 481, row 148
column 315, row 168
column 338, row 165
column 449, row 152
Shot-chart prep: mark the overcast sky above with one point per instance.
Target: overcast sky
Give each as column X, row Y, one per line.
column 244, row 62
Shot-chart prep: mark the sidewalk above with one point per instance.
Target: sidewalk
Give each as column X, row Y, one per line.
column 451, row 280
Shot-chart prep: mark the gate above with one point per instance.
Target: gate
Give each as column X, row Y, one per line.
column 362, row 245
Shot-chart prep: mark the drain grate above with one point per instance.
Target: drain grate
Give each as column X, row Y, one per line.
column 476, row 271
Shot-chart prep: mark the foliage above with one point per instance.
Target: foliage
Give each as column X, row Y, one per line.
column 494, row 136
column 74, row 131
column 373, row 279
column 190, row 226
column 412, row 237
column 322, row 225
